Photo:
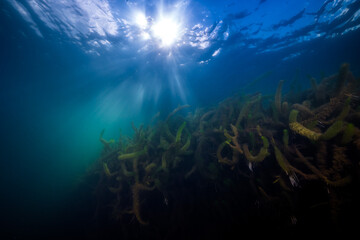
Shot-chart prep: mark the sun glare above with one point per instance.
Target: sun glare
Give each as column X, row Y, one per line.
column 167, row 31
column 140, row 20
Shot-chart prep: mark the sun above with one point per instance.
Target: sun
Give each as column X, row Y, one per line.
column 164, row 28
column 167, row 30
column 140, row 20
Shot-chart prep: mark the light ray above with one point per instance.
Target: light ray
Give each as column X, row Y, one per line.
column 167, row 30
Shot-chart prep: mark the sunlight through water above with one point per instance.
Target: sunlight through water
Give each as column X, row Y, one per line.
column 167, row 31
column 179, row 119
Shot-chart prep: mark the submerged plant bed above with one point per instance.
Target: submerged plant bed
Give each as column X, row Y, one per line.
column 253, row 163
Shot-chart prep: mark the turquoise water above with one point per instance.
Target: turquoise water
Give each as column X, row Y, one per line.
column 70, row 69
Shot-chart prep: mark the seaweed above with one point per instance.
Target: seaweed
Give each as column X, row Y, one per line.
column 263, row 153
column 300, row 129
column 220, row 158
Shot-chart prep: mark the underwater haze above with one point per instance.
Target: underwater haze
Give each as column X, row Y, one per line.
column 178, row 119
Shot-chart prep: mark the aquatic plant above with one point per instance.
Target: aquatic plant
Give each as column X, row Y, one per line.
column 106, row 143
column 348, row 133
column 264, row 145
column 285, row 138
column 278, row 96
column 300, row 129
column 233, row 143
column 261, row 155
column 280, row 158
column 331, row 132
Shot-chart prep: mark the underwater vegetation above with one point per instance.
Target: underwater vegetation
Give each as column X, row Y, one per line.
column 277, row 162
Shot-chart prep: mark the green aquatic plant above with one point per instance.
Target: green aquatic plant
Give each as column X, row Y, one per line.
column 278, row 96
column 303, row 109
column 348, row 133
column 345, row 110
column 124, row 170
column 333, row 130
column 232, row 139
column 280, row 158
column 132, row 155
column 217, row 147
column 174, row 151
column 300, row 129
column 330, row 133
column 263, row 153
column 342, row 76
column 286, row 138
column 106, row 170
column 324, row 174
column 136, row 189
column 246, row 108
column 235, row 156
column 180, row 107
column 107, row 144
column 257, row 80
column 179, row 131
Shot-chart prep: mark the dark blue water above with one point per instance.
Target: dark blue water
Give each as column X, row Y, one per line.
column 69, row 69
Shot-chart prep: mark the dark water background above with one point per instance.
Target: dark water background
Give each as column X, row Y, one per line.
column 53, row 94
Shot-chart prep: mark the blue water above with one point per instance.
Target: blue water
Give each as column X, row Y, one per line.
column 69, row 69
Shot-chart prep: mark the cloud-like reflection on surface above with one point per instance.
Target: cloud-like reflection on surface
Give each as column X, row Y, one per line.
column 85, row 21
column 161, row 38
